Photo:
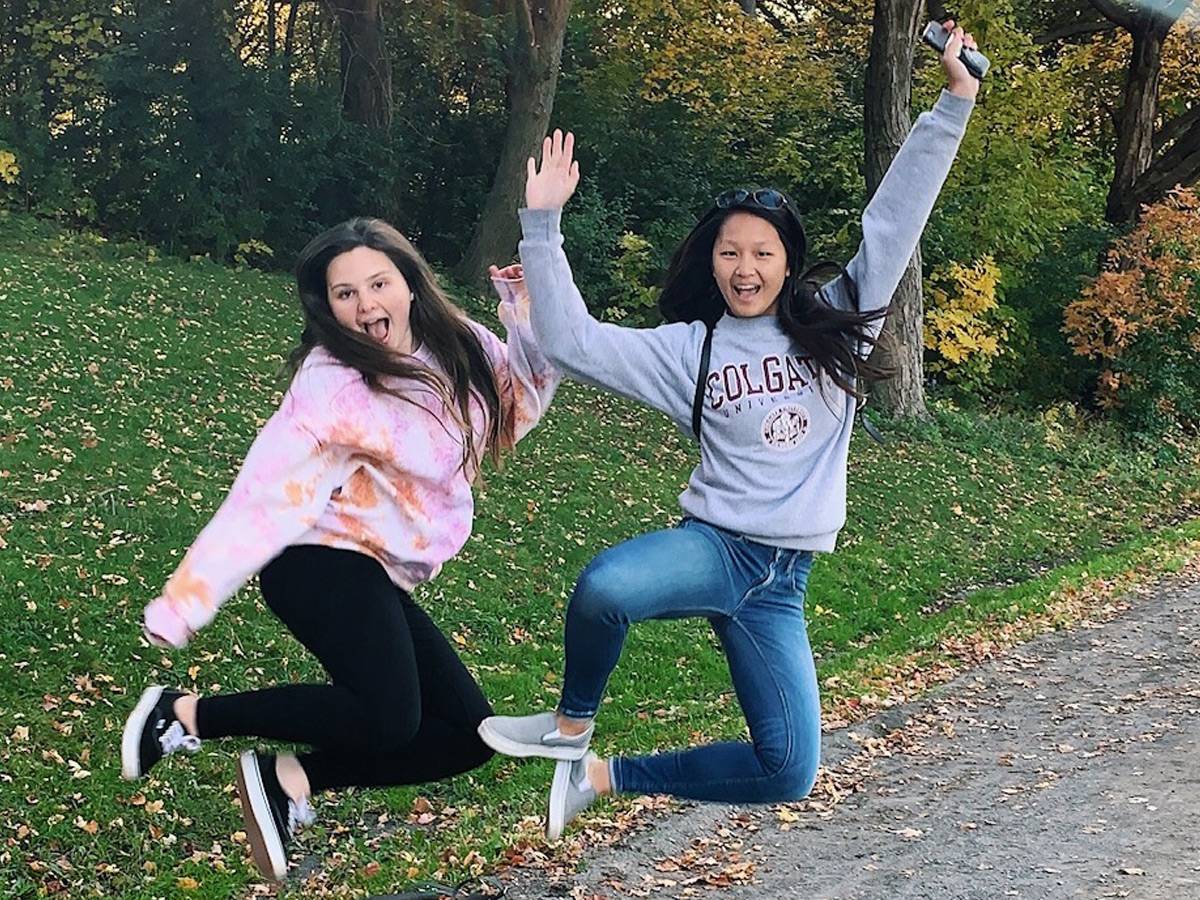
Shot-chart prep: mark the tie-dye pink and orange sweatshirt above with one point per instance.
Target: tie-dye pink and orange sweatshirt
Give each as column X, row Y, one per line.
column 342, row 465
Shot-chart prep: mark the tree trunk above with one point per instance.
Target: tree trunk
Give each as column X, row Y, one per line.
column 887, row 120
column 366, row 72
column 1135, row 133
column 289, row 37
column 534, row 61
column 1138, row 177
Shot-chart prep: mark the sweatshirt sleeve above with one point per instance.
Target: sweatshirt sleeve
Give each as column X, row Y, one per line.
column 282, row 488
column 896, row 215
column 526, row 378
column 654, row 366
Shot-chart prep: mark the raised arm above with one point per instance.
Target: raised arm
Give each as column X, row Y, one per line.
column 655, row 366
column 897, row 214
column 526, row 377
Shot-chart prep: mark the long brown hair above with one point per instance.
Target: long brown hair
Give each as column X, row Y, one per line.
column 435, row 322
column 829, row 335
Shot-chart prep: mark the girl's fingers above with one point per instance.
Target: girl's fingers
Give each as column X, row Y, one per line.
column 954, row 44
column 547, row 151
column 568, row 148
column 530, row 169
column 969, row 40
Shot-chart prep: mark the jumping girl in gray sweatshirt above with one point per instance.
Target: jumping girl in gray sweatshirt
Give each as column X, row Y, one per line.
column 773, row 411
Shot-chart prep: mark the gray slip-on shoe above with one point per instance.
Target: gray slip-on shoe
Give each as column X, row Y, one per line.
column 569, row 796
column 535, row 735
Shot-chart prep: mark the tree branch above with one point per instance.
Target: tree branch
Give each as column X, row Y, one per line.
column 1114, row 12
column 840, row 15
column 1176, row 127
column 772, row 19
column 524, row 16
column 1179, row 165
column 1074, row 29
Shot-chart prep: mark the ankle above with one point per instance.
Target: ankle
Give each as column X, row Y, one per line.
column 597, row 773
column 292, row 777
column 184, row 709
column 571, row 727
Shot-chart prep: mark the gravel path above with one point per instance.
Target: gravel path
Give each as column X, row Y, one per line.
column 1070, row 767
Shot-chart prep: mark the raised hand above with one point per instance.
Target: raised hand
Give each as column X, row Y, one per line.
column 552, row 184
column 962, row 82
column 514, row 272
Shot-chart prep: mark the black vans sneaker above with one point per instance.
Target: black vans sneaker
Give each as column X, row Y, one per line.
column 271, row 816
column 152, row 732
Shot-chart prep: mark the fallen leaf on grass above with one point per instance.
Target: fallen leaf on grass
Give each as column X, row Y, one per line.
column 91, row 826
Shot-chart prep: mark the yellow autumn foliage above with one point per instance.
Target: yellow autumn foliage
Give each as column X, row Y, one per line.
column 9, row 170
column 966, row 329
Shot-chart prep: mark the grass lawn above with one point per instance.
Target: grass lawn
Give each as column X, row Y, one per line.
column 130, row 388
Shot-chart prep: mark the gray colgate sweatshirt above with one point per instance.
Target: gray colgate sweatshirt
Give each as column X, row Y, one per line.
column 775, row 431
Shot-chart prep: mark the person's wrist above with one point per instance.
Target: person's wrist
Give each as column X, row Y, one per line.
column 967, row 88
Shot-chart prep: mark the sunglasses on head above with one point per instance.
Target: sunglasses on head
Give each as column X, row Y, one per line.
column 767, row 198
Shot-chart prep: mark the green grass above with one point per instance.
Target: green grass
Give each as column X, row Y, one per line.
column 130, row 387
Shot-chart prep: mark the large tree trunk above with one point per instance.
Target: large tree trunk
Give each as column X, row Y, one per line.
column 1139, row 108
column 1138, row 176
column 366, row 72
column 887, row 120
column 533, row 64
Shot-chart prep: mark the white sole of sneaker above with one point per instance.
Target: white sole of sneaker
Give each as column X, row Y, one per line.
column 509, row 747
column 556, row 810
column 131, row 737
column 265, row 845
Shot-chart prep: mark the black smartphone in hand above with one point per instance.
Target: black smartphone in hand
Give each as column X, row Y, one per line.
column 936, row 37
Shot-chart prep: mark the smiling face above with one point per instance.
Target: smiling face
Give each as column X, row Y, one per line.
column 368, row 294
column 749, row 264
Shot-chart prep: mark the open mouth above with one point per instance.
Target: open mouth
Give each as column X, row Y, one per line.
column 746, row 292
column 379, row 329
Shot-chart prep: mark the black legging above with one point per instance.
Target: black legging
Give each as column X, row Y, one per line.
column 402, row 708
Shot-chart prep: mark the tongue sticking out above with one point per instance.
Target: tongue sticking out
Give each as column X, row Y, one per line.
column 379, row 330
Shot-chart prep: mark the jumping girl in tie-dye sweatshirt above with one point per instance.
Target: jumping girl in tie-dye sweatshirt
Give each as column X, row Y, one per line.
column 357, row 489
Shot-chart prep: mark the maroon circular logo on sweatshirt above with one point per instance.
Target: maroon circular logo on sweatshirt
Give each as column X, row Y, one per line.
column 785, row 427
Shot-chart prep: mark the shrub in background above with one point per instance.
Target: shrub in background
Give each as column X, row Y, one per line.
column 1140, row 318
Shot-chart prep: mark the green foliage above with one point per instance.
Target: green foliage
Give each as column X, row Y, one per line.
column 1042, row 369
column 637, row 304
column 170, row 122
column 673, row 103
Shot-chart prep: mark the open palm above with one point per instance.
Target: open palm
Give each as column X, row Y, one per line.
column 552, row 184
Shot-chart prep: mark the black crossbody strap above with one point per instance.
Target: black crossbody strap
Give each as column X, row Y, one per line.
column 701, row 378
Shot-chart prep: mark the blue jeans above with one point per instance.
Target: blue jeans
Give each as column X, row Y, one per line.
column 753, row 595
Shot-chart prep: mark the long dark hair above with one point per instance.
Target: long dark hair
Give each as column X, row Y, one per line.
column 827, row 334
column 435, row 322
